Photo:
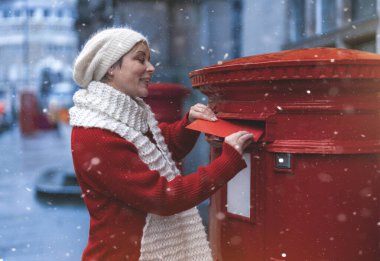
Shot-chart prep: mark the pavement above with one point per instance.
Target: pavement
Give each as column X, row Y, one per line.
column 34, row 227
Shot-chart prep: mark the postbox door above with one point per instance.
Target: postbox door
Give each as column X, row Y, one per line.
column 234, row 223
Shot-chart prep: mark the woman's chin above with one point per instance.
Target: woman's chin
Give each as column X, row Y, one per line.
column 144, row 93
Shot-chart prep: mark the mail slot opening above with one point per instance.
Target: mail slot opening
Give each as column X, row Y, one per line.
column 224, row 127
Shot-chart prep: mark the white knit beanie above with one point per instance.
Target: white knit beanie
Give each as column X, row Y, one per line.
column 101, row 51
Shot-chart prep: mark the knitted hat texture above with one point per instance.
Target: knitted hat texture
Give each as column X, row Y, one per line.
column 101, row 51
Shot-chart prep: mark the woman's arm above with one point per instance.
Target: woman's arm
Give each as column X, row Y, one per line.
column 110, row 164
column 181, row 140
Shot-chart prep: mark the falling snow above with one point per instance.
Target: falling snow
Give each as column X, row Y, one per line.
column 220, row 216
column 95, row 161
column 324, row 177
column 342, row 217
column 27, row 189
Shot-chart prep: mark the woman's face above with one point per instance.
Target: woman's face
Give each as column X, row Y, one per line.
column 135, row 72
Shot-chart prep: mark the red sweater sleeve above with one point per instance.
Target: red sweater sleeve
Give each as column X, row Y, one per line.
column 180, row 140
column 110, row 165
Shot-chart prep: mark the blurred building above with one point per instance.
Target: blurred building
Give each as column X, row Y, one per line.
column 190, row 34
column 37, row 45
column 273, row 25
column 184, row 35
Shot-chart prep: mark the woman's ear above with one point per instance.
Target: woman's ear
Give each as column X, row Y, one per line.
column 108, row 76
column 110, row 71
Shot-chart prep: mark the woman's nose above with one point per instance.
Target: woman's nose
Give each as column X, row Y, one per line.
column 150, row 68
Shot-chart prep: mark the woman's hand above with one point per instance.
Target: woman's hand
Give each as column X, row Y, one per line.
column 239, row 140
column 201, row 111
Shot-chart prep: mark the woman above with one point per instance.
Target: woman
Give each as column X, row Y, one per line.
column 140, row 207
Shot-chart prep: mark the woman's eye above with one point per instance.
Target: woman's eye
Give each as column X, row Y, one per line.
column 141, row 60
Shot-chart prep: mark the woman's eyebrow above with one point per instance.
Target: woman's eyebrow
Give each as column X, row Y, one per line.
column 141, row 52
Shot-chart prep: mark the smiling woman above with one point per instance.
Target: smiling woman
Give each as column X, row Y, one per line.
column 131, row 74
column 140, row 205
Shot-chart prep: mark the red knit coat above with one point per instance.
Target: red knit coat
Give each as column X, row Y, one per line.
column 119, row 189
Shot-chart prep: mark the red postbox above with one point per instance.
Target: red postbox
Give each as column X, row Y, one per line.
column 166, row 100
column 311, row 188
column 28, row 113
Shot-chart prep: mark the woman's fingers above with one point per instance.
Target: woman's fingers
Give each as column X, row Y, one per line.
column 239, row 140
column 205, row 112
column 201, row 111
column 246, row 140
column 247, row 137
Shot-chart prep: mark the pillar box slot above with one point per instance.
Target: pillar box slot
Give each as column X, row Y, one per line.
column 224, row 127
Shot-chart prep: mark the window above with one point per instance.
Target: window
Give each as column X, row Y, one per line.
column 46, row 12
column 31, row 12
column 369, row 46
column 362, row 9
column 7, row 13
column 297, row 21
column 17, row 13
column 325, row 16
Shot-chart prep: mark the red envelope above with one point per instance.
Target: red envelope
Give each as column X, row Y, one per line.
column 223, row 128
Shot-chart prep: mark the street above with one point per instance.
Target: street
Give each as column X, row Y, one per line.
column 34, row 227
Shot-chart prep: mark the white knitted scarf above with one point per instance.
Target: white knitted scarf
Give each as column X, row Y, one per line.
column 178, row 237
